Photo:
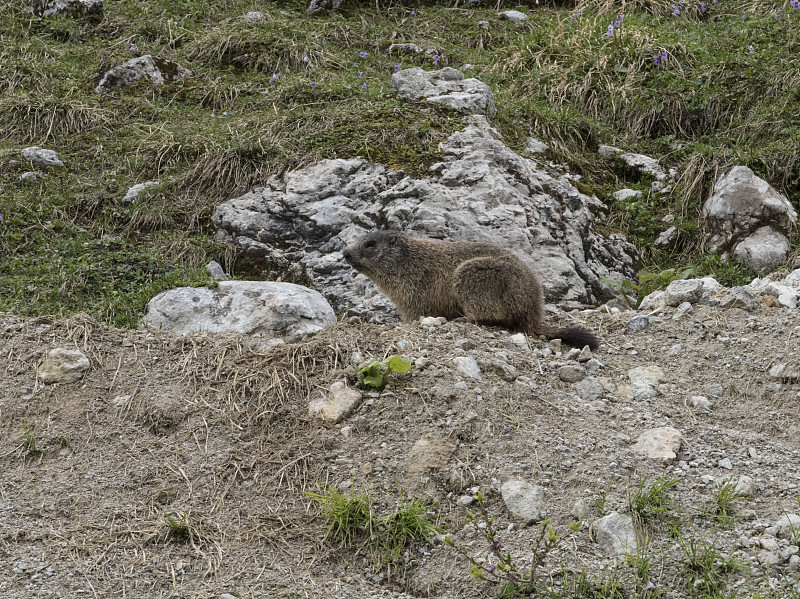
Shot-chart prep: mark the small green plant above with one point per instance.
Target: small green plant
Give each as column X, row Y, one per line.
column 793, row 528
column 600, row 502
column 706, row 568
column 178, row 529
column 374, row 376
column 724, row 499
column 641, row 563
column 652, row 281
column 408, row 525
column 652, row 503
column 347, row 515
column 30, row 440
column 500, row 567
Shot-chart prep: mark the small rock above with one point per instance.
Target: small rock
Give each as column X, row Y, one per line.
column 644, row 380
column 626, row 194
column 571, row 373
column 468, row 367
column 227, row 596
column 29, row 177
column 589, row 389
column 785, row 372
column 534, row 146
column 666, row 238
column 638, row 323
column 745, row 486
column 608, row 151
column 520, row 340
column 585, row 355
column 787, row 526
column 615, row 534
column 738, row 297
column 216, row 272
column 465, row 344
column 725, row 463
column 133, row 192
column 653, row 301
column 63, row 365
column 524, row 501
column 514, row 15
column 432, row 321
column 41, row 157
column 253, row 16
column 465, row 500
column 700, row 402
column 684, row 309
column 337, row 405
column 483, row 25
column 683, row 290
column 404, row 48
column 659, row 443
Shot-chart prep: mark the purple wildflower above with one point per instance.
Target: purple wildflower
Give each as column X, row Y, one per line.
column 664, row 57
column 133, row 47
column 1, row 218
column 676, row 9
column 656, row 59
column 313, row 84
column 225, row 113
column 778, row 13
column 213, row 115
column 750, row 49
column 413, row 12
column 495, row 545
column 363, row 54
column 364, row 85
column 795, row 4
column 492, row 569
column 397, row 67
column 361, row 75
column 305, row 58
column 610, row 31
column 436, row 58
column 703, row 7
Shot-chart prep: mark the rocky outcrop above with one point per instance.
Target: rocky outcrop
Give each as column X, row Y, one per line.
column 68, row 8
column 749, row 220
column 269, row 312
column 41, row 157
column 157, row 70
column 447, row 87
column 482, row 191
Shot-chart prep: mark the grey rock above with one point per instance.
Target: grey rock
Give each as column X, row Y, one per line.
column 500, row 367
column 157, row 70
column 465, row 500
column 581, row 509
column 609, row 151
column 683, row 290
column 785, row 372
column 483, row 25
column 405, row 48
column 615, row 534
column 534, row 146
column 638, row 323
column 660, row 443
column 524, row 501
column 745, row 486
column 465, row 344
column 63, row 365
column 42, row 157
column 482, row 191
column 725, row 463
column 653, row 301
column 571, row 373
column 29, row 177
column 684, row 309
column 336, row 405
column 445, row 86
column 216, row 271
column 267, row 312
column 133, row 192
column 585, row 354
column 788, row 527
column 644, row 380
column 700, row 402
column 666, row 238
column 763, row 251
column 253, row 16
column 645, row 165
column 589, row 389
column 467, row 366
column 742, row 203
column 513, row 15
column 738, row 297
column 317, row 6
column 69, row 8
column 432, row 321
column 626, row 194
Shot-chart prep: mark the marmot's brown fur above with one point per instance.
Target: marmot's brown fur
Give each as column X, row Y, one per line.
column 483, row 282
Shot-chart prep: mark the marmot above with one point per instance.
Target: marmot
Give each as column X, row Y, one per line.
column 483, row 282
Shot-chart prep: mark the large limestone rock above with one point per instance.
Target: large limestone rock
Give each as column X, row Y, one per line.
column 42, row 157
column 446, row 86
column 63, row 365
column 482, row 191
column 157, row 70
column 749, row 220
column 271, row 312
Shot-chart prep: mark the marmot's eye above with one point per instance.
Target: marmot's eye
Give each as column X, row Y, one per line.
column 370, row 244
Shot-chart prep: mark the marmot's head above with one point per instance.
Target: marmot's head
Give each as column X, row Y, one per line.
column 377, row 253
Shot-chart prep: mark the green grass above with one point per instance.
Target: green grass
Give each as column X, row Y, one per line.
column 73, row 246
column 651, row 502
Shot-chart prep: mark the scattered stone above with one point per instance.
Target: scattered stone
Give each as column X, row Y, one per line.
column 513, row 15
column 69, row 8
column 745, row 486
column 742, row 206
column 700, row 402
column 581, row 509
column 653, row 301
column 29, row 177
column 465, row 344
column 615, row 534
column 589, row 389
column 608, row 151
column 725, row 463
column 638, row 323
column 445, row 86
column 534, row 146
column 253, row 16
column 659, row 443
column 405, row 48
column 467, row 366
column 738, row 297
column 571, row 373
column 644, row 380
column 42, row 157
column 787, row 526
column 465, row 500
column 585, row 355
column 318, row 6
column 426, row 454
column 216, row 272
column 624, row 195
column 133, row 192
column 666, row 238
column 432, row 321
column 683, row 290
column 785, row 372
column 684, row 309
column 157, row 70
column 336, row 405
column 500, row 367
column 520, row 340
column 227, row 596
column 63, row 365
column 483, row 25
column 645, row 165
column 525, row 502
column 268, row 312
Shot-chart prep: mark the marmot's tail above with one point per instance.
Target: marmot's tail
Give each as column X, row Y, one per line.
column 574, row 336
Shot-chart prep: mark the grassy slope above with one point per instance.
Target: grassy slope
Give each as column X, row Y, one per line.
column 72, row 245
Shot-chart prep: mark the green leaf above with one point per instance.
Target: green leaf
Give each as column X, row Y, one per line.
column 398, row 364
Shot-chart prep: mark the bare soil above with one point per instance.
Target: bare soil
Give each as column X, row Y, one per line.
column 208, row 432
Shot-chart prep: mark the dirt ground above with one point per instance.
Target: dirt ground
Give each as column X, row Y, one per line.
column 206, row 432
